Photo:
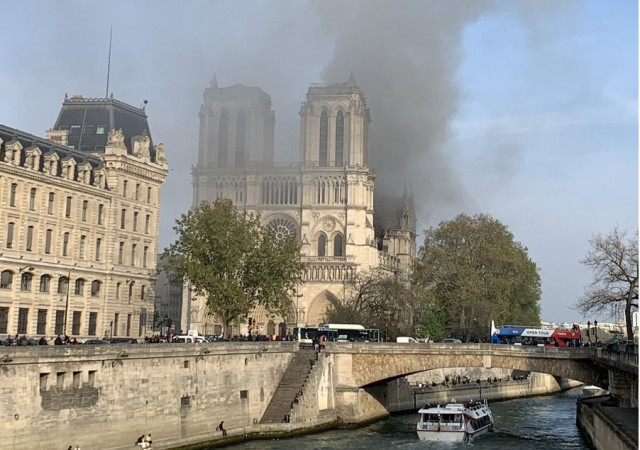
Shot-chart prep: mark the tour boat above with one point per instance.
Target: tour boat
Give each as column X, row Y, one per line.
column 454, row 422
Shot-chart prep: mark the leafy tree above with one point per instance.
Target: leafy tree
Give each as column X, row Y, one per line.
column 431, row 328
column 233, row 262
column 614, row 261
column 376, row 299
column 471, row 272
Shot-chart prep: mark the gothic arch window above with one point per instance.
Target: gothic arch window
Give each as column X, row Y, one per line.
column 340, row 139
column 324, row 142
column 240, row 130
column 223, row 139
column 337, row 245
column 282, row 227
column 322, row 245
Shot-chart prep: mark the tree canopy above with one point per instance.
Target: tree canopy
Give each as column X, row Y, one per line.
column 233, row 262
column 614, row 261
column 471, row 271
column 376, row 298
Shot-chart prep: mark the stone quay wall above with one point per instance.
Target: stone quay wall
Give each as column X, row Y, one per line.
column 106, row 396
column 607, row 427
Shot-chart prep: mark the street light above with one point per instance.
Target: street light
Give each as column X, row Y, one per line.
column 595, row 329
column 589, row 331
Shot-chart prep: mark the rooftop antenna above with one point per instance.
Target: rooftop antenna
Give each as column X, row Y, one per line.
column 106, row 95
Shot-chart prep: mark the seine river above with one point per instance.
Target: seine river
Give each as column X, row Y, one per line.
column 547, row 423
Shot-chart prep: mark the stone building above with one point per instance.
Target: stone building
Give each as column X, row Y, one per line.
column 326, row 199
column 79, row 214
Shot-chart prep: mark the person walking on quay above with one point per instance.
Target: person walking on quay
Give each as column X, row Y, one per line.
column 221, row 428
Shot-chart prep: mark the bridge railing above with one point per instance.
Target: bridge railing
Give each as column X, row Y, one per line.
column 624, row 358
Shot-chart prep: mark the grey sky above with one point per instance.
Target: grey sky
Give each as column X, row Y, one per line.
column 525, row 110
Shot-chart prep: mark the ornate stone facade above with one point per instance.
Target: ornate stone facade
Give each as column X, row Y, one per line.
column 326, row 200
column 79, row 233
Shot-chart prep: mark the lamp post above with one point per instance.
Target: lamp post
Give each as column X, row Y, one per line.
column 589, row 331
column 595, row 330
column 66, row 306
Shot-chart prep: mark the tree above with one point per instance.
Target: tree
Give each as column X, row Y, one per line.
column 471, row 271
column 614, row 261
column 376, row 299
column 233, row 262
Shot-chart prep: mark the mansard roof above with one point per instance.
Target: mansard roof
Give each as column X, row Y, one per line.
column 84, row 117
column 10, row 135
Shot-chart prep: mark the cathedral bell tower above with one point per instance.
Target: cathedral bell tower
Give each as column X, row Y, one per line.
column 335, row 126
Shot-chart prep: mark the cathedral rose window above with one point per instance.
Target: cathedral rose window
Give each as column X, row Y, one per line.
column 282, row 227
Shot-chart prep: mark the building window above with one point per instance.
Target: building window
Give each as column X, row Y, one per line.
column 143, row 291
column 240, row 132
column 120, row 252
column 41, row 327
column 223, row 139
column 137, row 191
column 339, row 139
column 10, row 226
column 100, row 213
column 47, row 241
column 128, row 325
column 98, row 243
column 23, row 316
column 29, row 238
column 4, row 319
column 75, row 328
column 337, row 245
column 118, row 286
column 32, row 200
column 83, row 240
column 322, row 245
column 85, row 205
column 65, row 244
column 25, row 282
column 324, row 126
column 116, row 316
column 59, row 326
column 79, row 290
column 149, row 194
column 93, row 322
column 131, row 289
column 100, row 129
column 147, row 221
column 6, row 278
column 133, row 254
column 63, row 285
column 52, row 197
column 74, row 129
column 95, row 288
column 123, row 218
column 67, row 212
column 135, row 221
column 12, row 194
column 45, row 283
column 145, row 253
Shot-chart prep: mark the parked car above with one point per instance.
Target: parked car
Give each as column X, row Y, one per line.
column 122, row 340
column 451, row 341
column 95, row 342
column 406, row 340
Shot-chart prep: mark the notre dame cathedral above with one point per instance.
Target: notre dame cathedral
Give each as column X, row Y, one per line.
column 326, row 200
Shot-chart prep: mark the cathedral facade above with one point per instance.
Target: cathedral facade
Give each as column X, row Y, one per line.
column 326, row 200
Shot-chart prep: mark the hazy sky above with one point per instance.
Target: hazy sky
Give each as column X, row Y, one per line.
column 524, row 110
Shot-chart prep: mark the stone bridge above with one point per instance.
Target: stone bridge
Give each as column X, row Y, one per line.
column 364, row 367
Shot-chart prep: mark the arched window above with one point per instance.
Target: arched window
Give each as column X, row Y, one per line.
column 337, row 245
column 95, row 288
column 282, row 227
column 5, row 279
column 79, row 287
column 25, row 282
column 45, row 283
column 63, row 285
column 223, row 139
column 322, row 245
column 340, row 139
column 324, row 127
column 240, row 129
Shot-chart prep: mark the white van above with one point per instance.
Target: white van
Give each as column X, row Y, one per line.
column 406, row 340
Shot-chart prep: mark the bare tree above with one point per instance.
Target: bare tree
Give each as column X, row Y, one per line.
column 614, row 261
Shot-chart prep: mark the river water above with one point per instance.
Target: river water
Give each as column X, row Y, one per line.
column 547, row 423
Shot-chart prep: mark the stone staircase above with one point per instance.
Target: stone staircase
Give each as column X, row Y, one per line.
column 290, row 385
